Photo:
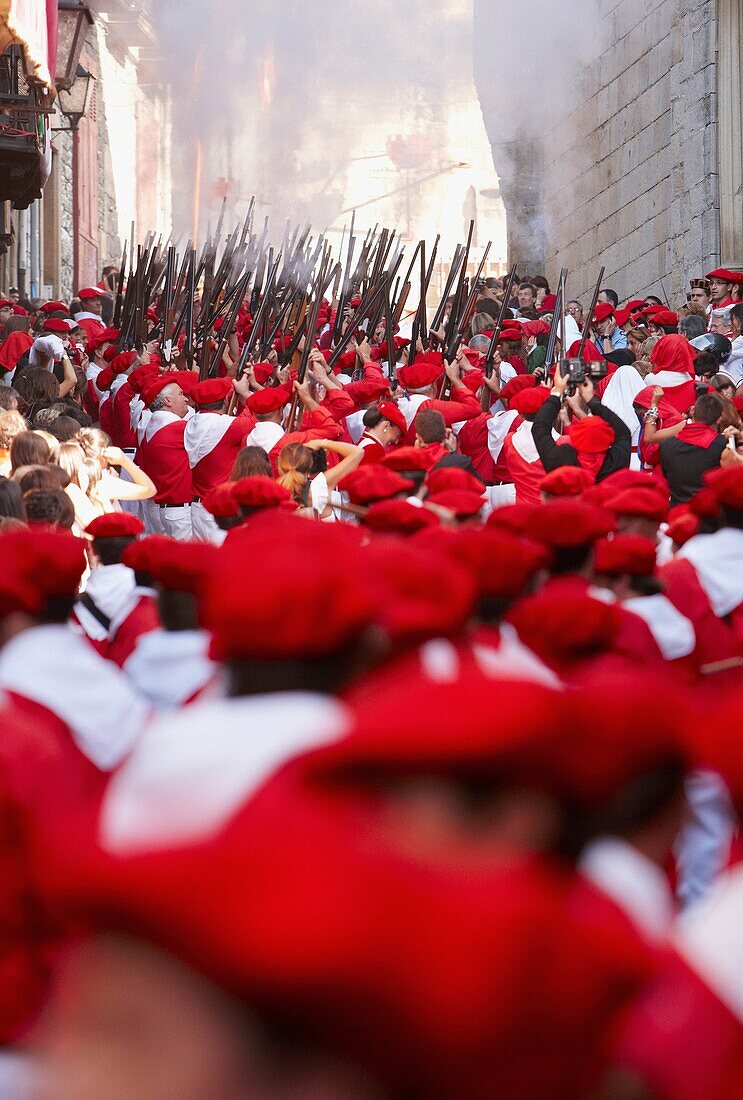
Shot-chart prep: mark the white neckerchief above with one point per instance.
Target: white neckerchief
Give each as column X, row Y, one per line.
column 84, row 316
column 355, row 424
column 717, row 560
column 498, row 428
column 524, row 444
column 59, row 669
column 637, row 885
column 158, row 420
column 118, row 382
column 673, row 632
column 184, row 784
column 410, row 405
column 709, row 939
column 168, row 667
column 265, row 434
column 92, row 371
column 203, row 433
column 112, row 588
column 624, row 385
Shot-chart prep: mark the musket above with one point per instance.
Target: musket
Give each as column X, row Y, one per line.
column 116, row 322
column 555, row 326
column 367, row 303
column 323, row 281
column 424, row 296
column 168, row 308
column 453, row 271
column 490, row 356
column 589, row 316
column 389, row 335
column 455, row 313
column 416, row 331
column 228, row 324
column 466, row 314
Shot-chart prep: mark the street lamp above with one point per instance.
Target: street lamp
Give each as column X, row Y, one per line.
column 74, row 19
column 73, row 102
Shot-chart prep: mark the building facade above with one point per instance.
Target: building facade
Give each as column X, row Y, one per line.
column 641, row 171
column 110, row 172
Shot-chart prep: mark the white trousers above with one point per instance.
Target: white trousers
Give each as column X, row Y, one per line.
column 177, row 522
column 204, row 525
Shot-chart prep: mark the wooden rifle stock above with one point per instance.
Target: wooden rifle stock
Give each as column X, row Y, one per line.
column 588, row 320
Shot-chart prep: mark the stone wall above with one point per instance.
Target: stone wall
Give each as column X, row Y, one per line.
column 630, row 176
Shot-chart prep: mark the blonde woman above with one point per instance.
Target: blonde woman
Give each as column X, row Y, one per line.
column 120, row 478
column 301, row 471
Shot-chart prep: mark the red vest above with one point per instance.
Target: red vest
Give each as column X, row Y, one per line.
column 163, row 458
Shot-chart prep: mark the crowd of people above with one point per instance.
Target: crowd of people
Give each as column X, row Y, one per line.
column 374, row 735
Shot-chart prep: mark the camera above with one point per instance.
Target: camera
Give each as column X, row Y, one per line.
column 576, row 371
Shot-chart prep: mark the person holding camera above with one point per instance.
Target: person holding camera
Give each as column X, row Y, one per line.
column 599, row 441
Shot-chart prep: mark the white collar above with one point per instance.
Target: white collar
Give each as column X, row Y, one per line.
column 112, row 588
column 158, row 420
column 709, row 939
column 193, row 770
column 169, row 667
column 717, row 560
column 673, row 632
column 635, row 883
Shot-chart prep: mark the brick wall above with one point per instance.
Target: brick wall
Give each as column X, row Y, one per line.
column 630, row 175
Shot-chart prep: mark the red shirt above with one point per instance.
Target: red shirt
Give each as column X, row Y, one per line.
column 163, row 458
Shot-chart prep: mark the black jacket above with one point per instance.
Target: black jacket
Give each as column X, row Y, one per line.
column 554, row 455
column 685, row 465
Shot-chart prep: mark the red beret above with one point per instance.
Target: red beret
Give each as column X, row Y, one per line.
column 512, row 335
column 104, row 378
column 115, row 525
column 372, row 483
column 625, row 554
column 602, row 312
column 186, row 379
column 592, row 435
column 705, row 504
column 262, row 372
column 51, row 561
column 5, row 303
column 444, row 478
column 211, row 390
column 725, row 275
column 405, row 459
column 727, row 485
column 535, row 328
column 622, row 316
column 110, row 354
column 566, row 481
column 390, row 412
column 473, row 379
column 52, row 307
column 90, row 292
column 500, row 563
column 398, row 516
column 381, row 351
column 666, row 318
column 513, row 517
column 56, row 324
column 259, row 492
column 423, row 372
column 646, row 503
column 157, row 385
column 459, row 501
column 566, row 523
column 220, row 501
column 177, row 566
column 140, row 376
column 303, row 605
column 516, row 385
column 268, row 400
column 123, row 362
column 106, row 337
column 366, row 392
column 527, row 402
column 18, row 594
column 590, row 353
column 565, row 627
column 421, row 593
column 632, row 479
column 548, row 303
column 20, row 311
column 683, row 527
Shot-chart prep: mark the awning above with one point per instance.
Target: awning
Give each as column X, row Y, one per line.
column 33, row 25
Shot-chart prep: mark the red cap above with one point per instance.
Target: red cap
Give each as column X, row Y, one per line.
column 459, row 501
column 398, row 517
column 563, row 628
column 445, row 478
column 625, row 554
column 262, row 372
column 20, row 311
column 115, row 525
column 535, row 328
column 56, row 324
column 104, row 378
column 646, row 503
column 51, row 561
column 140, row 376
column 590, row 352
column 666, row 318
column 156, row 386
column 211, row 390
column 391, row 412
column 177, row 566
column 512, row 335
column 473, row 379
column 303, row 607
column 563, row 524
column 548, row 303
column 405, row 459
column 52, row 307
column 123, row 361
column 513, row 517
column 592, row 435
column 725, row 275
column 632, row 479
column 366, row 392
column 420, row 593
column 500, row 563
column 683, row 527
column 259, row 492
column 423, row 372
column 90, row 292
column 529, row 401
column 17, row 594
column 622, row 316
column 268, row 400
column 375, row 482
column 516, row 385
column 220, row 501
column 566, row 481
column 602, row 312
column 727, row 485
column 705, row 504
column 5, row 303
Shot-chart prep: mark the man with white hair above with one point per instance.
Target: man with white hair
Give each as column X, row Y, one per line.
column 163, row 457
